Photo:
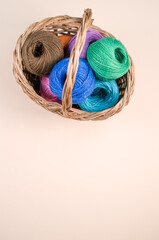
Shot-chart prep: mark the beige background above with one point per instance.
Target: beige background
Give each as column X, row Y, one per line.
column 62, row 179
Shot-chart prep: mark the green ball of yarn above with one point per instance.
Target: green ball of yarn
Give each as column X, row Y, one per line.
column 108, row 58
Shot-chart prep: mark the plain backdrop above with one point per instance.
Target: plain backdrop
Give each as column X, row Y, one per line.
column 63, row 179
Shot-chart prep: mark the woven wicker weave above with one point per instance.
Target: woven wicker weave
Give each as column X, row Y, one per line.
column 66, row 25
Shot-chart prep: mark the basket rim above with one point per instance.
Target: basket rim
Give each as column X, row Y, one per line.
column 60, row 25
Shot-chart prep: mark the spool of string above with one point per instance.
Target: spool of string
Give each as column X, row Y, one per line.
column 108, row 58
column 41, row 51
column 45, row 91
column 84, row 82
column 92, row 36
column 65, row 41
column 104, row 96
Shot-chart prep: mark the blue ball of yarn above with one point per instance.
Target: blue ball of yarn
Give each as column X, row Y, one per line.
column 84, row 82
column 104, row 96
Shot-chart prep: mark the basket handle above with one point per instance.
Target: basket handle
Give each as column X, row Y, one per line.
column 74, row 60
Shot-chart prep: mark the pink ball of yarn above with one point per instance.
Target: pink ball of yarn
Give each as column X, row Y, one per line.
column 46, row 92
column 92, row 36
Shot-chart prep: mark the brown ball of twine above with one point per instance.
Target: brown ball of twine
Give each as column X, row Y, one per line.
column 41, row 51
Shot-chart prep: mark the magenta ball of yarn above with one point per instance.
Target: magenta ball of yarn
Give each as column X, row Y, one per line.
column 46, row 92
column 92, row 36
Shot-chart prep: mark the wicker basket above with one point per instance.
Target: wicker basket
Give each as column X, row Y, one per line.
column 66, row 25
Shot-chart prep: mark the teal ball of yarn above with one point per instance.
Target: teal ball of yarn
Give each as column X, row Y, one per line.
column 105, row 95
column 108, row 58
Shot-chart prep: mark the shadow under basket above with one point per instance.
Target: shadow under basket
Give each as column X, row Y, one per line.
column 66, row 25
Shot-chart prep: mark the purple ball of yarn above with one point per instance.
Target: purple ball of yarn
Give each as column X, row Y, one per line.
column 92, row 36
column 46, row 92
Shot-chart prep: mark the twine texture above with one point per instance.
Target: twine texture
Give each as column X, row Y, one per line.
column 108, row 58
column 41, row 51
column 104, row 96
column 45, row 90
column 92, row 36
column 84, row 82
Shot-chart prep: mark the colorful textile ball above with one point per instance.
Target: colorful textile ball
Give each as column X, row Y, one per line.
column 104, row 96
column 84, row 82
column 108, row 58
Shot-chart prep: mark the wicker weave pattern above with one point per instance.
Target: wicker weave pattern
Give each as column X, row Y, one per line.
column 66, row 25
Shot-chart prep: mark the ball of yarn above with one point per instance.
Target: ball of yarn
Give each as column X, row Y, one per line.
column 65, row 39
column 41, row 51
column 104, row 96
column 92, row 36
column 84, row 82
column 45, row 91
column 108, row 58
